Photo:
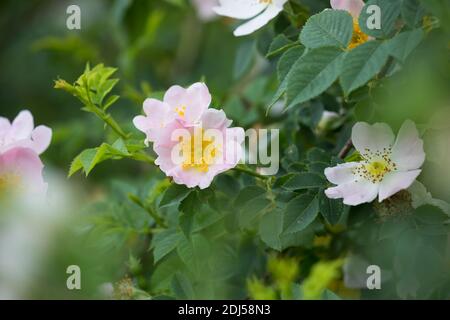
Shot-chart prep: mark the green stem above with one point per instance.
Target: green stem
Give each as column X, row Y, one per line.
column 158, row 219
column 245, row 170
column 142, row 156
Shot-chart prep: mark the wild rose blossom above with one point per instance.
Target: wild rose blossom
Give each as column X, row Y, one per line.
column 259, row 11
column 354, row 7
column 21, row 133
column 386, row 166
column 193, row 143
column 205, row 9
column 21, row 173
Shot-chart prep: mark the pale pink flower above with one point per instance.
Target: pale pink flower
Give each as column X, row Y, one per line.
column 21, row 133
column 193, row 143
column 21, row 173
column 387, row 166
column 205, row 9
column 354, row 7
column 186, row 105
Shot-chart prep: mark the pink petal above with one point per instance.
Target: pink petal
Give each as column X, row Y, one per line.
column 407, row 152
column 41, row 137
column 142, row 123
column 198, row 101
column 175, row 96
column 22, row 126
column 395, row 181
column 354, row 7
column 26, row 164
column 213, row 118
column 5, row 126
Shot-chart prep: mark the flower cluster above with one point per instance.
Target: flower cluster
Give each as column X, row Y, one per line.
column 20, row 147
column 193, row 143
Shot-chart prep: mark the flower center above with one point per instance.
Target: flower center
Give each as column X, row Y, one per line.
column 375, row 165
column 198, row 152
column 358, row 36
column 9, row 182
column 180, row 111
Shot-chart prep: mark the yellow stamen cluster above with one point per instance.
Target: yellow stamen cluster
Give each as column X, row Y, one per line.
column 196, row 156
column 375, row 165
column 181, row 111
column 358, row 36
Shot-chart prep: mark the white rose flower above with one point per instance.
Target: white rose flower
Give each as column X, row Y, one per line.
column 386, row 166
column 259, row 11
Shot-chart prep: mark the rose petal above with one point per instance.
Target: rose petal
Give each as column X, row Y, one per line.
column 41, row 137
column 258, row 22
column 354, row 193
column 395, row 181
column 354, row 7
column 22, row 126
column 376, row 137
column 342, row 173
column 407, row 152
column 240, row 9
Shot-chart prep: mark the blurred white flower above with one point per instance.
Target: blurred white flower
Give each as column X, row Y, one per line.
column 205, row 9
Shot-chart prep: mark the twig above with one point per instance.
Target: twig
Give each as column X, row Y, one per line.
column 250, row 172
column 347, row 147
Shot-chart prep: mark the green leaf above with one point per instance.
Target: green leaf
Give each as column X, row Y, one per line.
column 287, row 60
column 182, row 286
column 188, row 208
column 174, row 194
column 251, row 210
column 313, row 73
column 304, row 180
column 390, row 10
column 194, row 251
column 244, row 58
column 301, row 212
column 284, row 68
column 412, row 12
column 247, row 194
column 404, row 43
column 164, row 242
column 362, row 63
column 430, row 214
column 331, row 209
column 278, row 45
column 271, row 232
column 317, row 155
column 330, row 28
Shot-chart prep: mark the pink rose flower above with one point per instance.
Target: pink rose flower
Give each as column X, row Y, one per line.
column 353, row 7
column 21, row 133
column 21, row 173
column 193, row 143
